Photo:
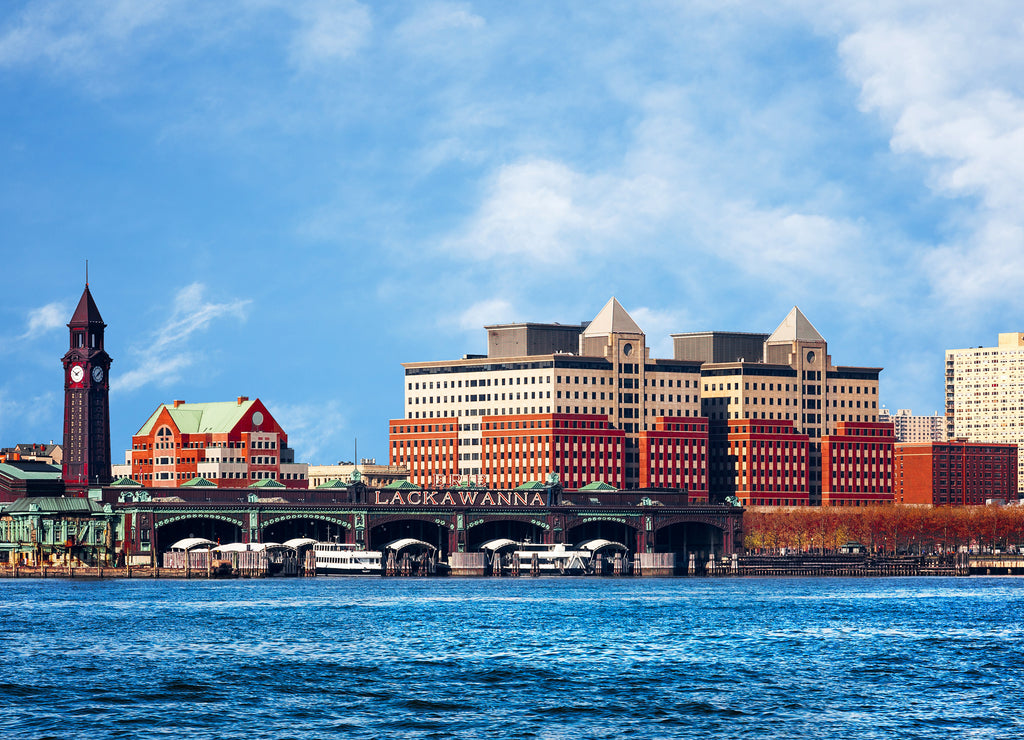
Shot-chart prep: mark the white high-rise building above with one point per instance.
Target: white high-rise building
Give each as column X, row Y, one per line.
column 910, row 428
column 985, row 394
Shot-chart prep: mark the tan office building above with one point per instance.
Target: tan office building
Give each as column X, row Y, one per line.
column 602, row 368
column 789, row 378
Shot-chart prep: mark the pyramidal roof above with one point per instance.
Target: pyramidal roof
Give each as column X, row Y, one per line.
column 86, row 312
column 795, row 328
column 612, row 319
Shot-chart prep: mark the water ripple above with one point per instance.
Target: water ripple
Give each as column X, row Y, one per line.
column 527, row 658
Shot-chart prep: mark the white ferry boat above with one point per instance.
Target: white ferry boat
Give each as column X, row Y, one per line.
column 555, row 559
column 333, row 559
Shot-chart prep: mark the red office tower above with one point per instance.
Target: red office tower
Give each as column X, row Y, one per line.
column 86, row 401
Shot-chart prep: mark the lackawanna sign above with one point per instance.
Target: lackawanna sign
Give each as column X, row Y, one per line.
column 480, row 498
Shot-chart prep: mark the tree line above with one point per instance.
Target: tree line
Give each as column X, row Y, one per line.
column 888, row 530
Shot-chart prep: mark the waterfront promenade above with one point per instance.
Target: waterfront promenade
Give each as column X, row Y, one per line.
column 803, row 565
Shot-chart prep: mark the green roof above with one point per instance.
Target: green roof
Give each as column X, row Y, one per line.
column 198, row 482
column 54, row 505
column 30, row 470
column 403, row 485
column 598, row 485
column 333, row 483
column 124, row 480
column 533, row 485
column 218, row 417
column 266, row 483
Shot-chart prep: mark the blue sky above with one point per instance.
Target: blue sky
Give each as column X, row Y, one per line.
column 286, row 200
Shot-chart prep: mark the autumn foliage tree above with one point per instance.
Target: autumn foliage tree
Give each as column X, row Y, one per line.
column 884, row 529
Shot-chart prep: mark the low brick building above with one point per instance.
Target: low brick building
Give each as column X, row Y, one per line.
column 955, row 473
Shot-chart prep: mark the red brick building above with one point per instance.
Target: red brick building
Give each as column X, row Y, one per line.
column 857, row 464
column 766, row 462
column 580, row 448
column 674, row 455
column 955, row 473
column 428, row 448
column 232, row 444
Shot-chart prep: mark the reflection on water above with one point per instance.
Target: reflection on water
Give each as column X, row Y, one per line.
column 547, row 658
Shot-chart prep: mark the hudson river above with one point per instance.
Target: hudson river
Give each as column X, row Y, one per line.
column 526, row 658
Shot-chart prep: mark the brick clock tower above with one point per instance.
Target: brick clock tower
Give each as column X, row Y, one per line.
column 86, row 401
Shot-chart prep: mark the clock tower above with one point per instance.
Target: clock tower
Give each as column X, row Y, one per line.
column 86, row 401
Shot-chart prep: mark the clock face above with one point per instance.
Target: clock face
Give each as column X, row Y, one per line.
column 77, row 373
column 97, row 374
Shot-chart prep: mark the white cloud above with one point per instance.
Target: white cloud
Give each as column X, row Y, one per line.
column 948, row 81
column 77, row 38
column 659, row 325
column 43, row 319
column 330, row 32
column 314, row 430
column 24, row 414
column 165, row 356
column 542, row 211
column 439, row 27
column 488, row 311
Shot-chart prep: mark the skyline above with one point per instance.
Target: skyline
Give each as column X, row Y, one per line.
column 287, row 201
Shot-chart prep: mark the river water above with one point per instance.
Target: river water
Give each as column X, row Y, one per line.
column 503, row 658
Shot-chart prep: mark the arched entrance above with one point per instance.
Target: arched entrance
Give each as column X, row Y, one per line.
column 513, row 529
column 319, row 528
column 429, row 531
column 700, row 539
column 219, row 529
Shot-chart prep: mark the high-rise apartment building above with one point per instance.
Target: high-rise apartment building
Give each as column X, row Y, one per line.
column 911, row 428
column 985, row 394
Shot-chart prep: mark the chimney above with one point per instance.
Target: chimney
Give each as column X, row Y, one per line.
column 241, row 399
column 178, row 403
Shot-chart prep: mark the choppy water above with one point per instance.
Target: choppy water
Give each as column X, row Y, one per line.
column 548, row 658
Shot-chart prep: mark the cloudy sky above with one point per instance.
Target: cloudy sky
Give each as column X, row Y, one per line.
column 286, row 200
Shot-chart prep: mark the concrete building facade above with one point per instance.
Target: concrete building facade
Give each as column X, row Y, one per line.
column 985, row 394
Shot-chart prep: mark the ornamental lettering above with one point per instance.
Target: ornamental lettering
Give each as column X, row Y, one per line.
column 458, row 498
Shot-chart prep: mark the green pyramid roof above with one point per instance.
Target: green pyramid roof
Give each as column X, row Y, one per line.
column 403, row 485
column 266, row 483
column 333, row 483
column 598, row 485
column 533, row 485
column 198, row 482
column 124, row 480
